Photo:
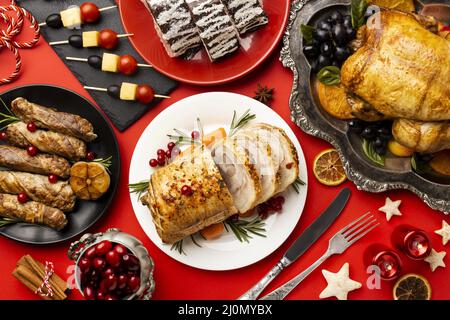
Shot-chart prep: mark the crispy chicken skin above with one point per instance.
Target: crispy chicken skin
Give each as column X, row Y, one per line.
column 424, row 137
column 18, row 159
column 402, row 69
column 177, row 216
column 46, row 141
column 32, row 212
column 38, row 188
column 49, row 118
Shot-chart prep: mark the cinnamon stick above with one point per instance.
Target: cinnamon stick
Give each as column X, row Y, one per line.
column 24, row 275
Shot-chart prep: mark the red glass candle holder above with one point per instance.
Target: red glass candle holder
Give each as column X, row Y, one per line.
column 414, row 242
column 386, row 259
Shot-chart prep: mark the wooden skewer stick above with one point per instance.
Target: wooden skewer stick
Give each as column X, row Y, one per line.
column 107, row 8
column 106, row 90
column 142, row 65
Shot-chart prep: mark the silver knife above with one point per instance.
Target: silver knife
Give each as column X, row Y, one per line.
column 307, row 238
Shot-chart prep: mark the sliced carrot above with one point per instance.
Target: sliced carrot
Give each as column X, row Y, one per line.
column 213, row 231
column 247, row 214
column 214, row 136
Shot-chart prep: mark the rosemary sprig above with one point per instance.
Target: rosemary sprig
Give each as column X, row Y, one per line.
column 8, row 221
column 297, row 184
column 244, row 229
column 182, row 138
column 8, row 118
column 139, row 188
column 178, row 246
column 200, row 128
column 106, row 162
column 237, row 124
column 195, row 241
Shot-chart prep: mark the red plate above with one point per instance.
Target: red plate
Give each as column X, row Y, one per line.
column 256, row 47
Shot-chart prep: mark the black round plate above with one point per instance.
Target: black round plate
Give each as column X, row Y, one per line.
column 86, row 213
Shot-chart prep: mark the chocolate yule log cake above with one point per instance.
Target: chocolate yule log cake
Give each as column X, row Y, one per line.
column 174, row 25
column 247, row 15
column 215, row 27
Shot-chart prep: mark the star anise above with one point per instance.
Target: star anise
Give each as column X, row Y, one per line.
column 264, row 94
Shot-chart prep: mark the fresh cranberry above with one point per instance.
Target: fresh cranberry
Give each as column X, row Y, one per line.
column 120, row 249
column 195, row 135
column 122, row 281
column 111, row 296
column 22, row 197
column 103, row 247
column 161, row 160
column 160, row 152
column 186, row 190
column 84, row 264
column 89, row 293
column 168, row 154
column 3, row 136
column 90, row 156
column 170, row 146
column 153, row 163
column 107, row 272
column 175, row 152
column 113, row 258
column 277, row 207
column 98, row 263
column 132, row 263
column 111, row 282
column 100, row 295
column 31, row 126
column 52, row 178
column 134, row 283
column 32, row 151
column 281, row 199
column 90, row 253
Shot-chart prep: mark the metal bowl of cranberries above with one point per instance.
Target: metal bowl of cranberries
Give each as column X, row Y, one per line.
column 112, row 266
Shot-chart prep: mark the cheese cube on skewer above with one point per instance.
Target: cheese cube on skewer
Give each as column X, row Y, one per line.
column 91, row 39
column 128, row 91
column 110, row 62
column 71, row 17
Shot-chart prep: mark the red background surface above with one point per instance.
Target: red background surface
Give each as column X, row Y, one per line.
column 177, row 281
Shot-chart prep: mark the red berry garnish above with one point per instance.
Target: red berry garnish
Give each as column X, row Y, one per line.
column 90, row 156
column 22, row 197
column 103, row 247
column 122, row 281
column 281, row 199
column 84, row 264
column 113, row 258
column 32, row 151
column 168, row 154
column 277, row 207
column 90, row 253
column 52, row 178
column 111, row 282
column 195, row 135
column 161, row 159
column 170, row 145
column 160, row 152
column 153, row 163
column 186, row 190
column 120, row 249
column 3, row 136
column 100, row 295
column 31, row 126
column 98, row 263
column 89, row 293
column 175, row 152
column 111, row 296
column 134, row 283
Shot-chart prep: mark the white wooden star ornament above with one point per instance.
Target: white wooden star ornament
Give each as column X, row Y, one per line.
column 339, row 284
column 444, row 232
column 436, row 259
column 390, row 208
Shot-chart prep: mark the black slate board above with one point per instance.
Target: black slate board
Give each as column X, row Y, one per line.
column 122, row 113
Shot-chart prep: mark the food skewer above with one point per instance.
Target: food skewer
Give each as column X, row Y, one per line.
column 112, row 63
column 130, row 92
column 107, row 39
column 75, row 16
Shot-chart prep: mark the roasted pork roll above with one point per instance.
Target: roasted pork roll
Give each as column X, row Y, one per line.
column 179, row 212
column 31, row 212
column 49, row 118
column 38, row 188
column 18, row 159
column 247, row 15
column 174, row 25
column 216, row 29
column 46, row 141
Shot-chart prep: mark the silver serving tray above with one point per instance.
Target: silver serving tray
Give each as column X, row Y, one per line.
column 307, row 113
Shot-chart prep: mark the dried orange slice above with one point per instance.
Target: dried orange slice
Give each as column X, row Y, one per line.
column 441, row 162
column 328, row 168
column 412, row 287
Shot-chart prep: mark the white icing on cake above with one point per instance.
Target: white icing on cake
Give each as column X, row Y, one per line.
column 246, row 14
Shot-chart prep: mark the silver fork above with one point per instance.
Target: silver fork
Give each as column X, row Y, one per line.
column 340, row 242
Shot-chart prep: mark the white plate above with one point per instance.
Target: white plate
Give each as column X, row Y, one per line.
column 215, row 110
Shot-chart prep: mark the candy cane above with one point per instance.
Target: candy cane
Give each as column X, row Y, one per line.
column 14, row 27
